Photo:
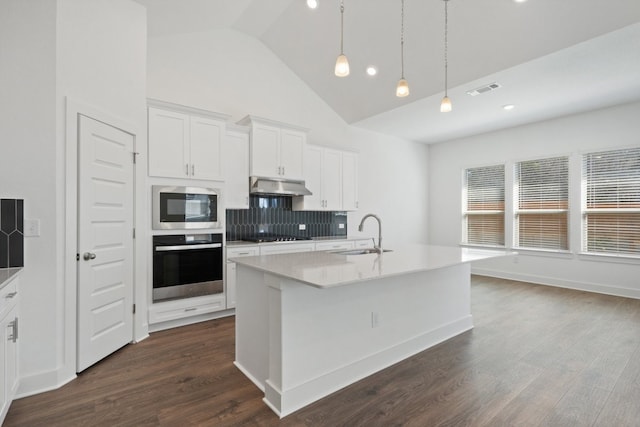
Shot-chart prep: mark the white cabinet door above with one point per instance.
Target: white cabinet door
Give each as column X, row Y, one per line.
column 313, row 180
column 349, row 181
column 265, row 147
column 206, row 148
column 168, row 144
column 237, row 170
column 292, row 144
column 8, row 345
column 230, row 279
column 332, row 180
column 184, row 146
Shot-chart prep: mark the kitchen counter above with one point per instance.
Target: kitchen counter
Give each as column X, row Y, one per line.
column 329, row 269
column 308, row 324
column 6, row 274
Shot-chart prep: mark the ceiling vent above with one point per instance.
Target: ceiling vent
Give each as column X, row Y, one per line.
column 484, row 89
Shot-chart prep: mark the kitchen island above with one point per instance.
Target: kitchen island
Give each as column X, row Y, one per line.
column 308, row 324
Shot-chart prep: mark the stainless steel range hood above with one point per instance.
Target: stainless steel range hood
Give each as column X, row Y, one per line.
column 277, row 187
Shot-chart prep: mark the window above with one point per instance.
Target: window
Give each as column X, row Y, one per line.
column 611, row 200
column 484, row 213
column 542, row 203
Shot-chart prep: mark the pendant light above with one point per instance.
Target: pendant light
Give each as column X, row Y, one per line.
column 402, row 89
column 342, row 64
column 445, row 105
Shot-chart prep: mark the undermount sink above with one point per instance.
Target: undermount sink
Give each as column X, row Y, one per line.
column 359, row 251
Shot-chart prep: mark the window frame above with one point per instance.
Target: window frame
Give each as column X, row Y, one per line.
column 466, row 213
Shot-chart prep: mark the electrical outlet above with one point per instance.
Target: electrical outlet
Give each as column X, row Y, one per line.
column 302, row 227
column 32, row 227
column 341, row 226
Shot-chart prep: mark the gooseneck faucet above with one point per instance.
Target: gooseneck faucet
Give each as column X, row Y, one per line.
column 379, row 247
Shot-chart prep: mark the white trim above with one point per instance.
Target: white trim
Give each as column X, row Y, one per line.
column 609, row 257
column 187, row 110
column 552, row 281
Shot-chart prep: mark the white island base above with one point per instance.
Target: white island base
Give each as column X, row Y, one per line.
column 299, row 340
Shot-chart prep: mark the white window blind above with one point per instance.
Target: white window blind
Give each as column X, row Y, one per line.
column 542, row 205
column 484, row 212
column 611, row 215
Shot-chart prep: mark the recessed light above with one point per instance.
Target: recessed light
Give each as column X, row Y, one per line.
column 313, row 4
column 519, row 1
column 371, row 70
column 508, row 107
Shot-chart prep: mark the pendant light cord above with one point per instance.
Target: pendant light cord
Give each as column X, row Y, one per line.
column 341, row 27
column 446, row 46
column 402, row 39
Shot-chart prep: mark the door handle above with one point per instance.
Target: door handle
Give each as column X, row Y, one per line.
column 88, row 256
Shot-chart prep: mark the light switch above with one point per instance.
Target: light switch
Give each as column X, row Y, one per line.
column 341, row 225
column 302, row 226
column 31, row 227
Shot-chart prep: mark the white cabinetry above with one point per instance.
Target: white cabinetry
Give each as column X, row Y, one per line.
column 286, row 248
column 334, row 245
column 186, row 143
column 230, row 279
column 349, row 181
column 276, row 149
column 187, row 307
column 8, row 345
column 331, row 175
column 237, row 172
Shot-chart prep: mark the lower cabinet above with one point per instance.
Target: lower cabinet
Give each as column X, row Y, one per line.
column 230, row 278
column 178, row 309
column 8, row 345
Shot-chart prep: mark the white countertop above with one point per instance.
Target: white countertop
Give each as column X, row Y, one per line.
column 327, row 269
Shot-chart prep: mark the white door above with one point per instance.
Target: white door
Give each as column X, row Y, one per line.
column 105, row 240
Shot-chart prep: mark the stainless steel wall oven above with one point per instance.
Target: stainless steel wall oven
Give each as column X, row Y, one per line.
column 186, row 266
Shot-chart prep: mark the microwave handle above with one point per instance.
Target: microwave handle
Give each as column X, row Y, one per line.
column 187, row 247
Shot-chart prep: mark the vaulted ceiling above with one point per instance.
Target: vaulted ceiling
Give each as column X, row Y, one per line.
column 549, row 57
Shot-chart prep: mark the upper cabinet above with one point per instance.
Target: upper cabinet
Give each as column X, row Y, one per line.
column 185, row 142
column 276, row 149
column 237, row 177
column 331, row 175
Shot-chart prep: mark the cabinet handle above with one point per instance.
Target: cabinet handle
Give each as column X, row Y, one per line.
column 186, row 169
column 14, row 330
column 191, row 309
column 283, row 170
column 11, row 295
column 193, row 169
column 246, row 201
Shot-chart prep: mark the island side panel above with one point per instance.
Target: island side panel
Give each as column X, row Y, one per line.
column 325, row 339
column 252, row 325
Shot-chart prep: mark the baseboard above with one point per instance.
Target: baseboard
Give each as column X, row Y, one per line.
column 552, row 281
column 155, row 327
column 40, row 383
column 248, row 375
column 285, row 402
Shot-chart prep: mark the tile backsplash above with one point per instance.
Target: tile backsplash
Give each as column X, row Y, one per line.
column 273, row 214
column 11, row 233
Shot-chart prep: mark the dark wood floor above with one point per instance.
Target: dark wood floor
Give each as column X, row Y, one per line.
column 538, row 356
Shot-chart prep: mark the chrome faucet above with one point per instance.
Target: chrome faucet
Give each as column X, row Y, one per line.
column 379, row 247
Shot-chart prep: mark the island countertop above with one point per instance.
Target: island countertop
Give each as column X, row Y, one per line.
column 329, row 269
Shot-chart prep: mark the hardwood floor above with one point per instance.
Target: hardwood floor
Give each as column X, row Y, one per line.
column 537, row 356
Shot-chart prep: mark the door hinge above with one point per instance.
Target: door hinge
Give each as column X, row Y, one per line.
column 134, row 233
column 77, row 257
column 135, row 153
column 134, row 309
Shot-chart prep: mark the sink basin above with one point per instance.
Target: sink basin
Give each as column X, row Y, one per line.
column 359, row 251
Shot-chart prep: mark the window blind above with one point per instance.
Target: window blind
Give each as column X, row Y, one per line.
column 484, row 213
column 542, row 211
column 611, row 215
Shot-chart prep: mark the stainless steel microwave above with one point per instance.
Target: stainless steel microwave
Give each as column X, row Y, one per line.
column 181, row 208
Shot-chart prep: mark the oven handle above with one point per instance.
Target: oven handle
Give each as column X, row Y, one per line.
column 188, row 247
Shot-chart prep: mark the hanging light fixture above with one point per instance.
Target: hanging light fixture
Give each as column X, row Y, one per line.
column 342, row 64
column 445, row 105
column 402, row 89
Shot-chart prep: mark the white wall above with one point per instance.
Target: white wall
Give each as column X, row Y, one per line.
column 92, row 51
column 610, row 128
column 229, row 72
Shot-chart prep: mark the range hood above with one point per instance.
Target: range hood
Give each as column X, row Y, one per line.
column 277, row 187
